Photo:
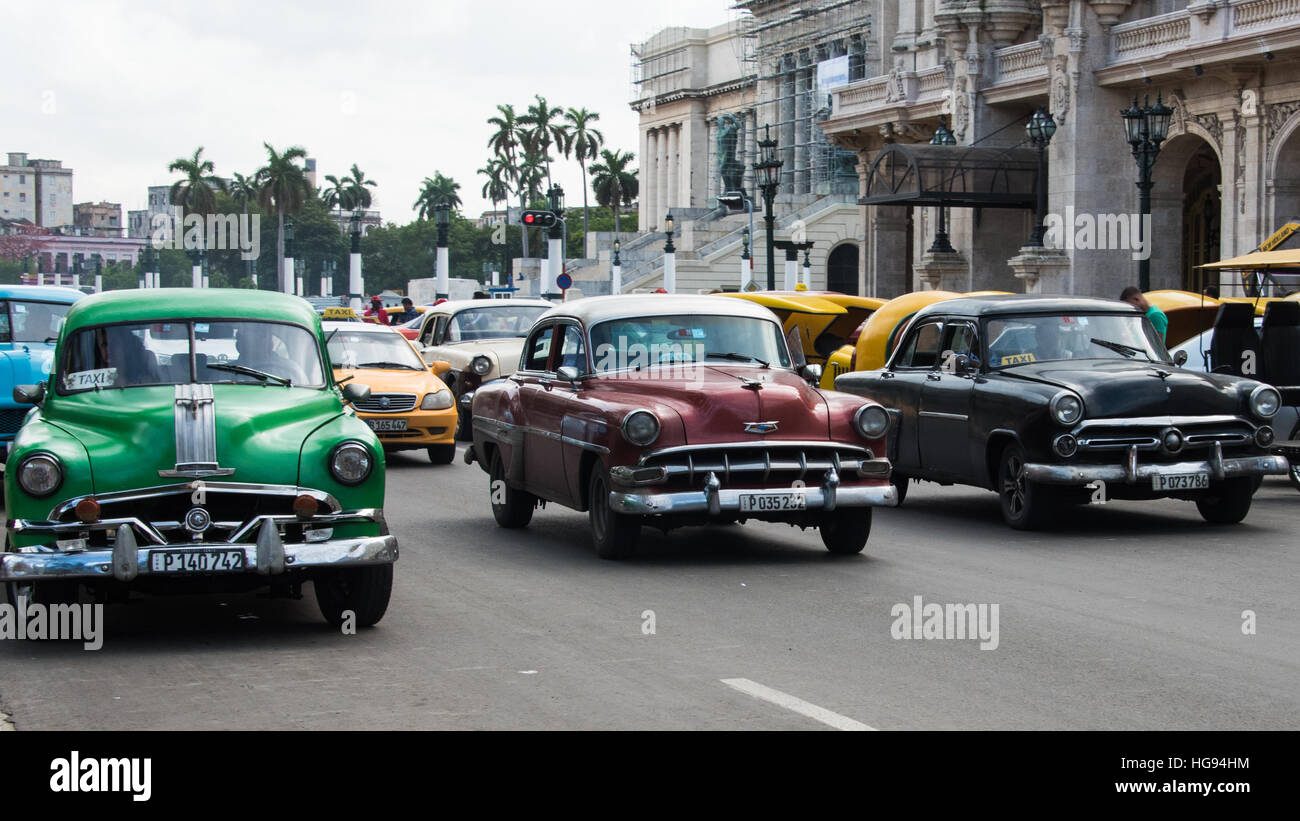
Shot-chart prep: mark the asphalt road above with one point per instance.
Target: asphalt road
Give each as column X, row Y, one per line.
column 1126, row 616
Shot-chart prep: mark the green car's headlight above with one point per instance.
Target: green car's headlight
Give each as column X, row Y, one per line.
column 40, row 474
column 439, row 400
column 351, row 463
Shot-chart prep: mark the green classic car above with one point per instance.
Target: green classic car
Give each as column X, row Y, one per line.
column 194, row 441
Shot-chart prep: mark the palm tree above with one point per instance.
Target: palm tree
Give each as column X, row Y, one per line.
column 613, row 183
column 433, row 191
column 197, row 192
column 505, row 141
column 336, row 195
column 497, row 187
column 244, row 190
column 355, row 184
column 540, row 132
column 283, row 187
column 585, row 143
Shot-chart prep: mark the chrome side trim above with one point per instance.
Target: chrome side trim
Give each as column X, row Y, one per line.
column 196, row 433
column 956, row 417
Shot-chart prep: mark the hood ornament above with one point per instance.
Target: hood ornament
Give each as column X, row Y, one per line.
column 196, row 434
column 760, row 427
column 753, row 384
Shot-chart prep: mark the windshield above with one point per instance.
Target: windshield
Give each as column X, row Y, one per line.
column 351, row 349
column 493, row 322
column 22, row 321
column 1042, row 338
column 649, row 340
column 174, row 353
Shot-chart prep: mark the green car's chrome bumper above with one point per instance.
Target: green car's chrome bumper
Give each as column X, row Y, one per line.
column 129, row 558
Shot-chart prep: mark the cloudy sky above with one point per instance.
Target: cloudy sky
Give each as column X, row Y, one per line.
column 117, row 90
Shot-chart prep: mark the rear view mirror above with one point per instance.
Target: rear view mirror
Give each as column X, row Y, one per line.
column 813, row 373
column 1180, row 358
column 355, row 392
column 29, row 394
column 569, row 374
column 439, row 366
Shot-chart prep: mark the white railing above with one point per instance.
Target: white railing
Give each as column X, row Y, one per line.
column 1152, row 36
column 931, row 82
column 1250, row 14
column 867, row 93
column 1020, row 62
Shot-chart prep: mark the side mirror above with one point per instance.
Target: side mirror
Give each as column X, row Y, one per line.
column 961, row 365
column 1180, row 358
column 29, row 394
column 813, row 373
column 355, row 392
column 439, row 366
column 569, row 374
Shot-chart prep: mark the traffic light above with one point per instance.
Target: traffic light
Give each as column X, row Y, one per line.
column 538, row 219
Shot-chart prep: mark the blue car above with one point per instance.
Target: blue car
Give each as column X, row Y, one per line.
column 30, row 318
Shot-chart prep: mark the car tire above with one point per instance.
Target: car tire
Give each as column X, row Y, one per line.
column 1227, row 502
column 442, row 454
column 846, row 531
column 901, row 484
column 1026, row 505
column 614, row 535
column 464, row 427
column 516, row 508
column 363, row 591
column 47, row 592
column 1294, row 473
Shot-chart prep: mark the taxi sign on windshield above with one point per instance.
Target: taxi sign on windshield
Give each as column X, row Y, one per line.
column 1017, row 359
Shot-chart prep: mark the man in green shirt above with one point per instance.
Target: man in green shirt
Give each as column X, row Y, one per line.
column 1134, row 296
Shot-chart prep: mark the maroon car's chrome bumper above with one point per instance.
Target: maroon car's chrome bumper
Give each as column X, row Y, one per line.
column 714, row 499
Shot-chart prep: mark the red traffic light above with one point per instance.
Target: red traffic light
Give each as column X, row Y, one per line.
column 540, row 219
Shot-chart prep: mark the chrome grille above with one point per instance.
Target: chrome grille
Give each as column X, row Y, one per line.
column 396, row 403
column 766, row 462
column 1099, row 435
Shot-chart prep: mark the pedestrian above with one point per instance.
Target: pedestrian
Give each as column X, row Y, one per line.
column 406, row 314
column 1134, row 296
column 376, row 310
column 1212, row 291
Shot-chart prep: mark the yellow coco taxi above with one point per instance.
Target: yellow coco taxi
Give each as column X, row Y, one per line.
column 869, row 346
column 824, row 319
column 409, row 407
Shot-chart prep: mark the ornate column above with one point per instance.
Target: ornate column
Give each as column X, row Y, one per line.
column 674, row 167
column 803, row 121
column 644, row 197
column 661, row 179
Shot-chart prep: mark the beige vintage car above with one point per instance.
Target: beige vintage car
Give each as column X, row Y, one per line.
column 482, row 339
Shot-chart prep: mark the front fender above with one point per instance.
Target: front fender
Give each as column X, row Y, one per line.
column 38, row 435
column 314, row 472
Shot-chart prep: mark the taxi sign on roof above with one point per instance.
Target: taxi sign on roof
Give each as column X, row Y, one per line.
column 339, row 312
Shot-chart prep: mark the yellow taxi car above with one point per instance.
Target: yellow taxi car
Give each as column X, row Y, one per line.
column 869, row 346
column 409, row 407
column 824, row 319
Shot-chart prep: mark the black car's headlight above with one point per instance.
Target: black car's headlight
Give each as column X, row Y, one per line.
column 640, row 427
column 1265, row 402
column 351, row 463
column 40, row 474
column 1066, row 408
column 438, row 400
column 871, row 421
column 481, row 365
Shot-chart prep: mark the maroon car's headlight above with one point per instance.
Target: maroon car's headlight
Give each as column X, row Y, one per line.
column 640, row 427
column 871, row 421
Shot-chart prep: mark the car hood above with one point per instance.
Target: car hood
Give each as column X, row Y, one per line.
column 130, row 434
column 26, row 365
column 1124, row 388
column 715, row 404
column 505, row 351
column 391, row 380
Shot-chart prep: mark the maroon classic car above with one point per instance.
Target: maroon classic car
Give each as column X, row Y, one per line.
column 677, row 410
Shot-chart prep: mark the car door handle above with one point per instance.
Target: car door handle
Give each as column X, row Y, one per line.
column 887, row 375
column 518, row 380
column 544, row 382
column 933, row 377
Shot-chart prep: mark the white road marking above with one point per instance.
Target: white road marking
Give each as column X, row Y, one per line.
column 797, row 705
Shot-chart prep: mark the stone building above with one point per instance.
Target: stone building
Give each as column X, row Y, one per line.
column 36, row 190
column 1227, row 175
column 100, row 219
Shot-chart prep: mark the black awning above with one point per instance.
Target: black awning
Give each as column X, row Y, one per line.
column 953, row 176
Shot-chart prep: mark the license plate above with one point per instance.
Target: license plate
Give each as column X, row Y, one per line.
column 386, row 425
column 196, row 561
column 769, row 502
column 1180, row 481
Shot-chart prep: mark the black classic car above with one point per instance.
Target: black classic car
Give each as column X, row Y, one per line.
column 1051, row 400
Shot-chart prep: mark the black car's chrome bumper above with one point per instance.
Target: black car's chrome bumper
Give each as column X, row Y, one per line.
column 714, row 499
column 1132, row 470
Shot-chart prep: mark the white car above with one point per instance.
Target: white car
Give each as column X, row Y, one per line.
column 481, row 338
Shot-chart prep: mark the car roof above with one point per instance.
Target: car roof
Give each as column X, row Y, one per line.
column 983, row 306
column 144, row 304
column 623, row 306
column 48, row 293
column 452, row 306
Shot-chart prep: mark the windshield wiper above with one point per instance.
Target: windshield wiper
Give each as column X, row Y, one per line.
column 396, row 365
column 1119, row 348
column 253, row 372
column 736, row 357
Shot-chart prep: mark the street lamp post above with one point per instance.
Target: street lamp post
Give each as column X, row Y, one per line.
column 286, row 275
column 616, row 270
column 807, row 267
column 355, row 286
column 768, row 170
column 555, row 243
column 442, row 217
column 76, row 272
column 1040, row 128
column 746, row 263
column 941, row 245
column 1146, row 128
column 299, row 269
column 99, row 273
column 670, row 256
